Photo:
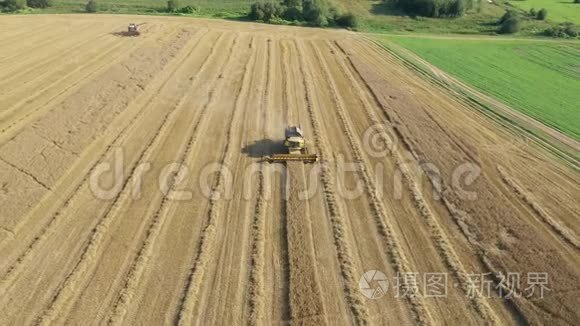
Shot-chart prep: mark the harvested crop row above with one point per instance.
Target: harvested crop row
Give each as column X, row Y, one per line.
column 206, row 247
column 52, row 221
column 64, row 298
column 357, row 306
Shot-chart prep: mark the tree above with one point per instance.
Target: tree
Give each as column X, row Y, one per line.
column 13, row 5
column 507, row 15
column 292, row 3
column 92, row 6
column 188, row 10
column 257, row 11
column 39, row 3
column 564, row 30
column 172, row 6
column 315, row 12
column 266, row 11
column 348, row 20
column 272, row 10
column 293, row 9
column 542, row 14
column 456, row 8
column 292, row 13
column 533, row 12
column 510, row 26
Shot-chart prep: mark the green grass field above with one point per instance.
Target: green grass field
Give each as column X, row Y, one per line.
column 558, row 10
column 206, row 8
column 541, row 79
column 377, row 17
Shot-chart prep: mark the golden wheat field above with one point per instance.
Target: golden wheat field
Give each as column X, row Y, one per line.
column 132, row 189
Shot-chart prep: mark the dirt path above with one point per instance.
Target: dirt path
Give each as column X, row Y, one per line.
column 132, row 191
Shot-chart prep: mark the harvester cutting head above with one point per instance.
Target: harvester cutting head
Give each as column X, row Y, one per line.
column 296, row 146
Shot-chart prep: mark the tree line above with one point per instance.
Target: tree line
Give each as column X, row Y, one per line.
column 432, row 8
column 15, row 5
column 311, row 12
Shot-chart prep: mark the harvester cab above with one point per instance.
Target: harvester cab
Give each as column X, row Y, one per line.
column 296, row 146
column 294, row 141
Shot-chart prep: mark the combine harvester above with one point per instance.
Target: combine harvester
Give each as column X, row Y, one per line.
column 133, row 30
column 296, row 146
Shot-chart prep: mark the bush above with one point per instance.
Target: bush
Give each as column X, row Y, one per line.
column 172, row 6
column 39, row 3
column 348, row 20
column 92, row 6
column 272, row 10
column 510, row 25
column 292, row 9
column 576, row 1
column 534, row 13
column 188, row 10
column 14, row 5
column 571, row 31
column 456, row 8
column 321, row 21
column 565, row 30
column 256, row 11
column 292, row 3
column 542, row 14
column 266, row 11
column 292, row 13
column 313, row 12
column 434, row 8
column 507, row 15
